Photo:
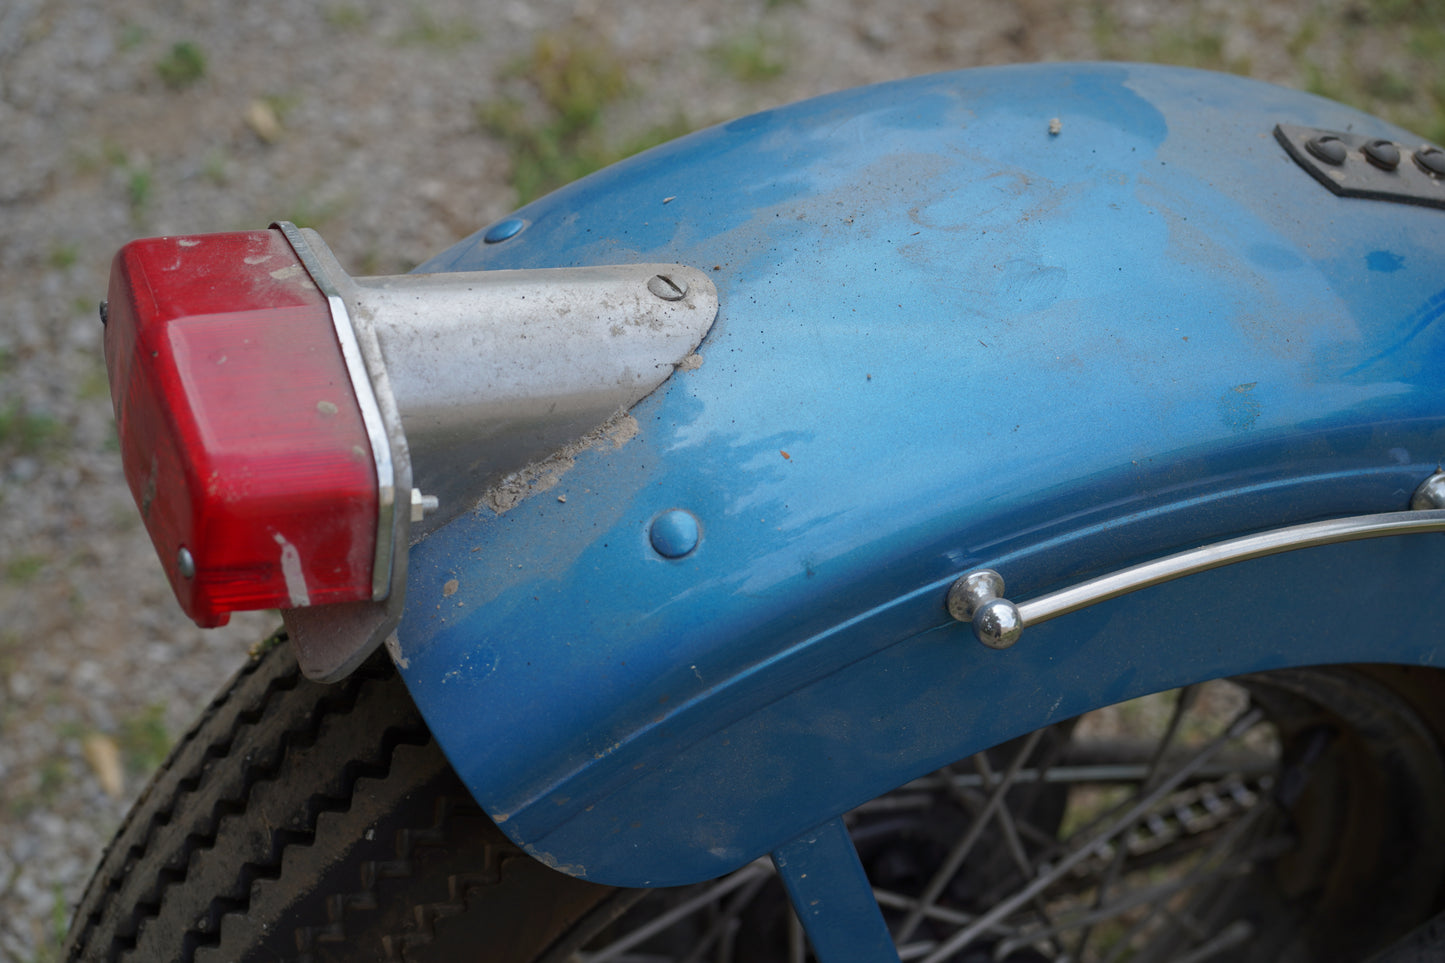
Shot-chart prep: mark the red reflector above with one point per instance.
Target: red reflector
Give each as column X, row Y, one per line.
column 241, row 435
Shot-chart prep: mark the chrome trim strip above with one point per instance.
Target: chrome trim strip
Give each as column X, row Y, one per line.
column 1193, row 561
column 370, row 410
column 977, row 596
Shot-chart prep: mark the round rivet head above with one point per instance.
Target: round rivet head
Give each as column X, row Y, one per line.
column 504, row 230
column 185, row 564
column 1383, row 154
column 1327, row 148
column 675, row 533
column 1431, row 160
column 997, row 624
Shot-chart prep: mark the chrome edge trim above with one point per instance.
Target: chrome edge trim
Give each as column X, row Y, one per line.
column 1193, row 561
column 976, row 596
column 382, row 564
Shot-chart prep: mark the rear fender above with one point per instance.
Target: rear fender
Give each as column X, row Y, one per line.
column 1051, row 321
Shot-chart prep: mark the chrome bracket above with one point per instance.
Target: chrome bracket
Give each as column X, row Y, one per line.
column 466, row 378
column 976, row 597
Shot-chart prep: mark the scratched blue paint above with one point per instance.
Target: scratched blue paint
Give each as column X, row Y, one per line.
column 978, row 344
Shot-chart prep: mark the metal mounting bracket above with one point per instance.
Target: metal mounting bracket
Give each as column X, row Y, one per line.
column 1369, row 167
column 466, row 378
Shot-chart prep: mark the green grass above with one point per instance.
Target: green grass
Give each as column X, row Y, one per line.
column 1409, row 91
column 344, row 16
column 308, row 210
column 24, row 569
column 144, row 740
column 63, row 256
column 552, row 121
column 425, row 30
column 753, row 57
column 138, row 191
column 182, row 66
column 28, row 433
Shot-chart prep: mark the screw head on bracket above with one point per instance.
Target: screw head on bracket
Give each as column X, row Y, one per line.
column 668, row 288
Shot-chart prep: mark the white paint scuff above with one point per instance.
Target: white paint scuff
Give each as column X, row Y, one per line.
column 291, row 571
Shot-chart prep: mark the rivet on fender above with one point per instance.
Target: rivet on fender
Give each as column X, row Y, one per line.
column 675, row 533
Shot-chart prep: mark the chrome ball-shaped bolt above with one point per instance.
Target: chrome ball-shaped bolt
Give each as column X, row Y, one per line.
column 998, row 624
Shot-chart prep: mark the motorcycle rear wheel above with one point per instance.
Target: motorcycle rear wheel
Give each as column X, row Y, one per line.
column 321, row 823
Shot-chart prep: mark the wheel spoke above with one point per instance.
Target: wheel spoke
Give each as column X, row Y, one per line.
column 1095, row 843
column 965, row 844
column 918, row 793
column 1233, row 935
column 1181, row 703
column 1014, row 846
column 723, row 930
column 706, row 898
column 1213, row 866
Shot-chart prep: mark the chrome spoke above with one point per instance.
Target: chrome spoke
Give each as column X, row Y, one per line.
column 1181, row 704
column 918, row 792
column 965, row 844
column 1096, row 842
column 706, row 898
column 1107, row 844
column 1014, row 846
column 1233, row 935
column 1212, row 869
column 724, row 929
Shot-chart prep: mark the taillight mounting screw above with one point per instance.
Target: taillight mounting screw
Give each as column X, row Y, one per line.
column 104, row 313
column 185, row 563
column 667, row 287
column 422, row 505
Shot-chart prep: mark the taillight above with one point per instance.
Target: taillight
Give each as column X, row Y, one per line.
column 241, row 435
column 274, row 411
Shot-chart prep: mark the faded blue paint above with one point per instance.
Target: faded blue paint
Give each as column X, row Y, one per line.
column 674, row 533
column 946, row 339
column 1385, row 261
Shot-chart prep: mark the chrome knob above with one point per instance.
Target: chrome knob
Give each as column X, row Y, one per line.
column 977, row 598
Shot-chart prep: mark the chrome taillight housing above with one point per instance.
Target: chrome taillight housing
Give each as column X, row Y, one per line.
column 275, row 412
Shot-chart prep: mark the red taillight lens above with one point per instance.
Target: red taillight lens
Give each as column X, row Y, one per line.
column 240, row 431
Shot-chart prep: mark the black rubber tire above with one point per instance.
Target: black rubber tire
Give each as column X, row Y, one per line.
column 305, row 822
column 321, row 823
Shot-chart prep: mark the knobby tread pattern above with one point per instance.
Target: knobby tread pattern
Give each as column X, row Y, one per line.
column 314, row 823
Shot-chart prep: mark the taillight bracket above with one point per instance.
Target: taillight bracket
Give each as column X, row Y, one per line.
column 284, row 494
column 332, row 640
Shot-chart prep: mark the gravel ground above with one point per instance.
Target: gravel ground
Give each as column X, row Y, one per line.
column 360, row 118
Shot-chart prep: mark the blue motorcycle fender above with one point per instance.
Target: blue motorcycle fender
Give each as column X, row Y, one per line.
column 1047, row 320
